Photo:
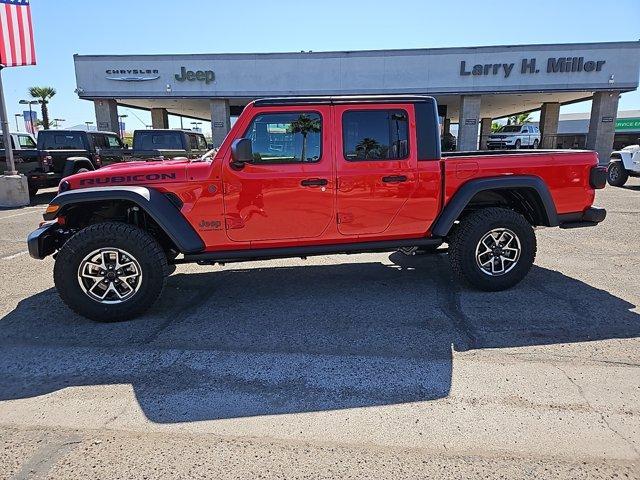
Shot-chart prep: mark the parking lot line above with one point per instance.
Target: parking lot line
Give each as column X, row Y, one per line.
column 19, row 214
column 9, row 257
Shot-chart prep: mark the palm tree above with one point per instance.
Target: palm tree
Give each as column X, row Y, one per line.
column 305, row 125
column 43, row 94
column 519, row 119
column 369, row 145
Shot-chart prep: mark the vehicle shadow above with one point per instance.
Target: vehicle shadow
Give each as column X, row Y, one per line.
column 265, row 341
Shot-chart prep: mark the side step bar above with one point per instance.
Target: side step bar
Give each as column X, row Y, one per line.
column 224, row 256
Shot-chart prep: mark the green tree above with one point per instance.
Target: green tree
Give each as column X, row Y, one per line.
column 495, row 126
column 368, row 145
column 305, row 125
column 43, row 94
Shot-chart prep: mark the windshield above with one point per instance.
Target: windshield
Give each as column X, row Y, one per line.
column 510, row 129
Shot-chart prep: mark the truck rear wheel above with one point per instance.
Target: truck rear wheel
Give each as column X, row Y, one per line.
column 109, row 272
column 492, row 249
column 617, row 175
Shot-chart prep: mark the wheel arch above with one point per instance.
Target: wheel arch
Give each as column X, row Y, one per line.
column 73, row 163
column 527, row 195
column 162, row 209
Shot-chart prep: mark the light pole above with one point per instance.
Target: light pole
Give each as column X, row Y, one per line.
column 30, row 102
column 196, row 128
column 87, row 124
column 57, row 120
column 120, row 124
column 17, row 125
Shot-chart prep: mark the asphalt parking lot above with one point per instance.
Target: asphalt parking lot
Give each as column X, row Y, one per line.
column 364, row 366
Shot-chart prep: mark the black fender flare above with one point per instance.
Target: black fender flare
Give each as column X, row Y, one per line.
column 157, row 205
column 463, row 196
column 71, row 163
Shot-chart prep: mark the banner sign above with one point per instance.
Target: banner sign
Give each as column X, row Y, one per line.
column 30, row 118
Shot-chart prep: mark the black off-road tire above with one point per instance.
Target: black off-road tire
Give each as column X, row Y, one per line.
column 467, row 235
column 128, row 238
column 517, row 145
column 617, row 175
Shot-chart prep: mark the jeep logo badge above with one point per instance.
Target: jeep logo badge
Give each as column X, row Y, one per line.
column 205, row 76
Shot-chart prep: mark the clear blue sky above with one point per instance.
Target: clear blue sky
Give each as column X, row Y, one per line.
column 65, row 27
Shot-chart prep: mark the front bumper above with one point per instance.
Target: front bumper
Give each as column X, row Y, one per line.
column 589, row 218
column 43, row 241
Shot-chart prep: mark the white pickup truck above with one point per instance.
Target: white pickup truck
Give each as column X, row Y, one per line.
column 514, row 136
column 623, row 164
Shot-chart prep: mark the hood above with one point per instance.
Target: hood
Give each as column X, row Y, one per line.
column 131, row 173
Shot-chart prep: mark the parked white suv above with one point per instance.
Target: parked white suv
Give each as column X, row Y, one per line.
column 514, row 136
column 623, row 164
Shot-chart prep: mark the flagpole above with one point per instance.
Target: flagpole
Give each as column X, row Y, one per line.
column 4, row 122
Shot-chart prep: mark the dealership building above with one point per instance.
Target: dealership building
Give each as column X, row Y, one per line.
column 472, row 85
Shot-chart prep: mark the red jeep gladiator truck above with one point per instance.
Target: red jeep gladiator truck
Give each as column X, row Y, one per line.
column 310, row 176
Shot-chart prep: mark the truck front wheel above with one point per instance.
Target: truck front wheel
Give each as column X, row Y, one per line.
column 109, row 272
column 492, row 249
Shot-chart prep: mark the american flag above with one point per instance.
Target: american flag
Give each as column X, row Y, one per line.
column 16, row 34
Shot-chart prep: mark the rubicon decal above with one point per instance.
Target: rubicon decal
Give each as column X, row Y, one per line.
column 150, row 177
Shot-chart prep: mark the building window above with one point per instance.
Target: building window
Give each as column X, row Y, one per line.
column 375, row 134
column 286, row 137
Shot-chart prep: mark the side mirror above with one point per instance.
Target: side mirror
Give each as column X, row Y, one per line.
column 241, row 152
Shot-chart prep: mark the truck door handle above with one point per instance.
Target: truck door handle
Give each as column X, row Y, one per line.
column 394, row 179
column 314, row 182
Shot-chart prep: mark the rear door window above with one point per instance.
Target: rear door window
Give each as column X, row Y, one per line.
column 99, row 140
column 375, row 135
column 113, row 141
column 193, row 141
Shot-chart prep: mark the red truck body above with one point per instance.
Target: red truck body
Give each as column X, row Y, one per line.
column 264, row 206
column 346, row 189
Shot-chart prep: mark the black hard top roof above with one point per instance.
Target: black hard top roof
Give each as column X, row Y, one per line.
column 342, row 99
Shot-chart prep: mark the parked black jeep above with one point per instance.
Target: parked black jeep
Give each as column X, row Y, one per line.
column 64, row 152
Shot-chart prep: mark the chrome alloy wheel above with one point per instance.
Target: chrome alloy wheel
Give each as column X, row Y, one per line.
column 109, row 275
column 498, row 251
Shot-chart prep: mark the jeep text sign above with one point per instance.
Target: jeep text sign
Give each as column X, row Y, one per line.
column 205, row 76
column 529, row 65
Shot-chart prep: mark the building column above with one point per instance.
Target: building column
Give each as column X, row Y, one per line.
column 107, row 115
column 549, row 116
column 604, row 110
column 159, row 118
column 485, row 131
column 468, row 124
column 220, row 120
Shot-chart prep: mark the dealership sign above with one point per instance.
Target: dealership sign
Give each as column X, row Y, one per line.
column 531, row 66
column 132, row 74
column 205, row 76
column 627, row 124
